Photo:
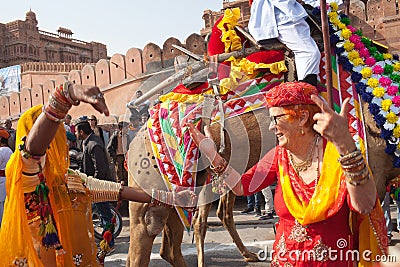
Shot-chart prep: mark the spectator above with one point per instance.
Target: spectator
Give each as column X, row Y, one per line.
column 269, row 204
column 95, row 163
column 75, row 154
column 5, row 153
column 144, row 107
column 96, row 129
column 11, row 131
column 68, row 125
column 144, row 118
column 253, row 200
column 117, row 147
column 134, row 124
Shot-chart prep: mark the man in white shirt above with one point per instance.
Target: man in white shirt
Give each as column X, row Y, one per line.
column 285, row 20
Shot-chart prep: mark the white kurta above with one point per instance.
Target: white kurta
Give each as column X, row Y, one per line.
column 285, row 20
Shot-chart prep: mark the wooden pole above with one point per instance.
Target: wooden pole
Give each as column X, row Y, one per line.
column 327, row 51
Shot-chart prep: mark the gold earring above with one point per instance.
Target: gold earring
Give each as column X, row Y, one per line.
column 302, row 131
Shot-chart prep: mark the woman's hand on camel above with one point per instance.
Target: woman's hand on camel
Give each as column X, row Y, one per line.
column 89, row 94
column 186, row 199
column 333, row 126
column 204, row 142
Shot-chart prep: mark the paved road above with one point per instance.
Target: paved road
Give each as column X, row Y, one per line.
column 219, row 249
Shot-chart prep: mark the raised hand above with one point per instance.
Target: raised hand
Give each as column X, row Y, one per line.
column 91, row 95
column 333, row 126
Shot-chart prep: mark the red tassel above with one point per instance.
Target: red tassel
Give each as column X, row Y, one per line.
column 107, row 236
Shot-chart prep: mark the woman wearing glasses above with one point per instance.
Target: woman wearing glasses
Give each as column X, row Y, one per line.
column 325, row 193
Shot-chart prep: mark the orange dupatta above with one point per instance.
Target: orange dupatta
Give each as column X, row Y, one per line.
column 329, row 196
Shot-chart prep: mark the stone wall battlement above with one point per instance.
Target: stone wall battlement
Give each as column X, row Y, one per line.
column 118, row 77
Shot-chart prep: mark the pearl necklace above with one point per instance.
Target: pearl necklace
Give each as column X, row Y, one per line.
column 304, row 165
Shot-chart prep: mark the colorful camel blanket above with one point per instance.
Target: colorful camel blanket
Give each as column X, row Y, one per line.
column 175, row 152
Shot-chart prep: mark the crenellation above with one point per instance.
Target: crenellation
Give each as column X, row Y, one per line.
column 37, row 95
column 134, row 62
column 152, row 58
column 15, row 103
column 88, row 75
column 103, row 77
column 4, row 107
column 26, row 99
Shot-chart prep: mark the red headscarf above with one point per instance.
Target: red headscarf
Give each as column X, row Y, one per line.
column 291, row 93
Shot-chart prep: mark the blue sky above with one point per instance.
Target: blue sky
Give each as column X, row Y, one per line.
column 106, row 21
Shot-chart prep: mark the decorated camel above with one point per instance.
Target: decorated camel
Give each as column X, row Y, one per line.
column 246, row 139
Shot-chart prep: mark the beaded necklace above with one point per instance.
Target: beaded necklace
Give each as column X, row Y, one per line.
column 310, row 158
column 304, row 165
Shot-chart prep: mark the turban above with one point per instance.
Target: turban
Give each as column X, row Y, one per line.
column 291, row 93
column 4, row 133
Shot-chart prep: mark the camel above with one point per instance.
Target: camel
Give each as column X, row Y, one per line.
column 247, row 137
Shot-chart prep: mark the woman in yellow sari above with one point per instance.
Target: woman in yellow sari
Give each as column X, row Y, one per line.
column 47, row 219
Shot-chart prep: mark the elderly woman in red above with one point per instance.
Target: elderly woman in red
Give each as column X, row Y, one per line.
column 325, row 193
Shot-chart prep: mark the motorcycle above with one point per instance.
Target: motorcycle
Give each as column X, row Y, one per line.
column 99, row 224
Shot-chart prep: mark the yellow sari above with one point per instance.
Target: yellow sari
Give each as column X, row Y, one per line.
column 20, row 244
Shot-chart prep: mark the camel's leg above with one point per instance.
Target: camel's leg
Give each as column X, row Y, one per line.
column 145, row 224
column 171, row 241
column 200, row 229
column 225, row 214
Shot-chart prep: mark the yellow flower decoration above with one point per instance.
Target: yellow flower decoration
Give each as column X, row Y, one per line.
column 391, row 117
column 387, row 56
column 386, row 104
column 374, row 83
column 346, row 33
column 366, row 72
column 335, row 21
column 343, row 26
column 396, row 131
column 396, row 66
column 353, row 55
column 332, row 15
column 358, row 62
column 334, row 6
column 348, row 46
column 378, row 91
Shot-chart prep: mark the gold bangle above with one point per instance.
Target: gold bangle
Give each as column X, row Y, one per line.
column 360, row 173
column 67, row 95
column 354, row 165
column 358, row 182
column 351, row 155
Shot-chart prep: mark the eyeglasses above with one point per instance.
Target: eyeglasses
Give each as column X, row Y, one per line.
column 273, row 119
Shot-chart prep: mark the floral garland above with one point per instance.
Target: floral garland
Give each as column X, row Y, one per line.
column 376, row 76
